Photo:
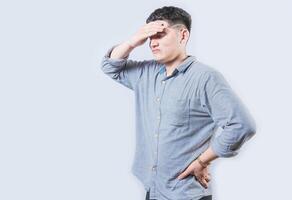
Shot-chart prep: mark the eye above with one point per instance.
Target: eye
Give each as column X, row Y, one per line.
column 161, row 34
column 158, row 35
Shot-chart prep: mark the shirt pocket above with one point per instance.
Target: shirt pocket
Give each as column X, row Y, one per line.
column 178, row 112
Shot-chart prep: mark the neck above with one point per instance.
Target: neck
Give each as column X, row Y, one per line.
column 172, row 64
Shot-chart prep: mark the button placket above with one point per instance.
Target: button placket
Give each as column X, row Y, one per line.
column 158, row 117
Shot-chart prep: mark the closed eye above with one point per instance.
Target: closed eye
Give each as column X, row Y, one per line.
column 158, row 35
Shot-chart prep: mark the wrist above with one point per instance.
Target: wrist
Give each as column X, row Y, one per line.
column 202, row 163
column 129, row 44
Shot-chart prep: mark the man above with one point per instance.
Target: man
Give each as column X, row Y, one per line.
column 179, row 103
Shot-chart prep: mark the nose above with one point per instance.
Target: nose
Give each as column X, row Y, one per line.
column 153, row 43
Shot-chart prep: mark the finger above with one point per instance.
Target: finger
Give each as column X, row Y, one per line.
column 203, row 183
column 158, row 29
column 201, row 180
column 159, row 24
column 196, row 178
column 155, row 29
column 205, row 175
column 151, row 34
column 208, row 178
column 184, row 174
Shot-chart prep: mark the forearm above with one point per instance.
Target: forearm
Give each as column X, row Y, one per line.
column 121, row 51
column 208, row 156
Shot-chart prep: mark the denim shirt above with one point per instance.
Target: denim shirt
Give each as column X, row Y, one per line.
column 176, row 119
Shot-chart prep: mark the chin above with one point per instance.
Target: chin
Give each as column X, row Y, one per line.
column 158, row 58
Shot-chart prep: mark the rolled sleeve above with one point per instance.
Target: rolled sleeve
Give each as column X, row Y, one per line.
column 125, row 71
column 228, row 112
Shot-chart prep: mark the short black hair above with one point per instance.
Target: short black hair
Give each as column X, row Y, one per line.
column 173, row 15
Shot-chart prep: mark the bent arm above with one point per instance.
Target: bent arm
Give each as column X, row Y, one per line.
column 229, row 113
column 123, row 70
column 121, row 51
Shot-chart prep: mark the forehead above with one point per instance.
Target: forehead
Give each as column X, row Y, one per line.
column 170, row 30
column 169, row 27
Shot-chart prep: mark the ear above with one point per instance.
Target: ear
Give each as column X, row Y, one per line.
column 185, row 34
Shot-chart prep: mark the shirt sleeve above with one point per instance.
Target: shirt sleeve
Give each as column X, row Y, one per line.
column 125, row 71
column 228, row 112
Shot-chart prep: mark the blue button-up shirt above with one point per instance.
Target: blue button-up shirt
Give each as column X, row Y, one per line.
column 176, row 119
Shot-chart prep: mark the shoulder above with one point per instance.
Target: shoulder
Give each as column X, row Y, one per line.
column 207, row 76
column 202, row 69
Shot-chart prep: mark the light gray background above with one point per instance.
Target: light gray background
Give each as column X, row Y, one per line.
column 67, row 130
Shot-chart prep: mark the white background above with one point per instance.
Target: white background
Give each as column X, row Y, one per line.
column 67, row 130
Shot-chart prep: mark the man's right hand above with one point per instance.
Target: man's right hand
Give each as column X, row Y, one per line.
column 139, row 38
column 146, row 31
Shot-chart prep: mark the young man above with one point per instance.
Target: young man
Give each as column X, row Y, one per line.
column 179, row 103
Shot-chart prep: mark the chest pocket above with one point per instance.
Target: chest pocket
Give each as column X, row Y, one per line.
column 178, row 112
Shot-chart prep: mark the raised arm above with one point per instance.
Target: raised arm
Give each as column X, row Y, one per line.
column 116, row 63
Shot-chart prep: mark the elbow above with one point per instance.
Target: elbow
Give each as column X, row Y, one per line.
column 250, row 129
column 104, row 65
column 108, row 69
column 247, row 132
column 222, row 150
column 227, row 145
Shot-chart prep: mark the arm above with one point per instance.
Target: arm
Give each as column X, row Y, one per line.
column 122, row 51
column 123, row 70
column 227, row 112
column 116, row 63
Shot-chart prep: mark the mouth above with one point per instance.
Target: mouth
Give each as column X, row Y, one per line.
column 154, row 51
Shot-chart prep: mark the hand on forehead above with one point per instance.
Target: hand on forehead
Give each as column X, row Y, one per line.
column 165, row 24
column 161, row 22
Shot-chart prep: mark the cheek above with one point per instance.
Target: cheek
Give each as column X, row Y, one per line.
column 172, row 44
column 169, row 45
column 171, row 48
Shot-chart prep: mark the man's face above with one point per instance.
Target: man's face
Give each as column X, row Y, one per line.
column 167, row 45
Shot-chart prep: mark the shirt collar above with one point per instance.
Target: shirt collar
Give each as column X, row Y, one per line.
column 182, row 67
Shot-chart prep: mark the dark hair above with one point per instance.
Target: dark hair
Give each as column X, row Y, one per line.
column 173, row 15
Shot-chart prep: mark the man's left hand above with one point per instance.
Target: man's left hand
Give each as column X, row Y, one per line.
column 199, row 172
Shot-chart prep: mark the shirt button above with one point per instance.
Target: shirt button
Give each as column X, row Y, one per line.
column 156, row 135
column 158, row 99
column 163, row 82
column 153, row 168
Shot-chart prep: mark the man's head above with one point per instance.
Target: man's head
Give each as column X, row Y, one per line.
column 170, row 43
